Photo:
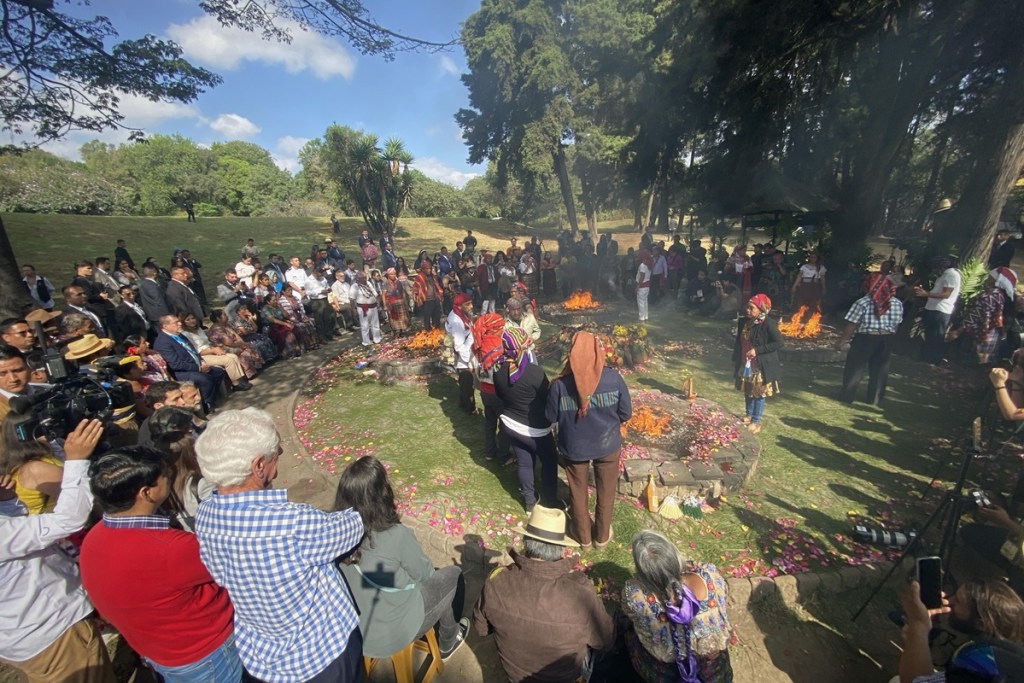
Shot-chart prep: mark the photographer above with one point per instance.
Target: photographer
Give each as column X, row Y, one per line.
column 1009, row 389
column 989, row 611
column 45, row 628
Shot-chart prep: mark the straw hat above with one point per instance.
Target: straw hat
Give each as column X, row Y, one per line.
column 944, row 205
column 548, row 525
column 40, row 315
column 87, row 346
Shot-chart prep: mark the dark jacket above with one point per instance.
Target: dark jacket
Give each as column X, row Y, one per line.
column 153, row 301
column 183, row 300
column 178, row 359
column 543, row 616
column 526, row 400
column 597, row 434
column 1001, row 255
column 128, row 322
column 766, row 340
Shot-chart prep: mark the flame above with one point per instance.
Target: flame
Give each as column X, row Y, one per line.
column 802, row 326
column 648, row 421
column 425, row 340
column 579, row 301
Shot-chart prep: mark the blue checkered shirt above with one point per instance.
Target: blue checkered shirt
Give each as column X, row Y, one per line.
column 293, row 610
column 862, row 314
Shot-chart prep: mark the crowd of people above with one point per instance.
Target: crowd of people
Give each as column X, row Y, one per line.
column 243, row 582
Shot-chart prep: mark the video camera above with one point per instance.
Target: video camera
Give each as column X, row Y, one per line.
column 92, row 393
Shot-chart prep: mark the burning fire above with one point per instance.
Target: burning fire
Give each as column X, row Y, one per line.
column 425, row 340
column 579, row 301
column 799, row 328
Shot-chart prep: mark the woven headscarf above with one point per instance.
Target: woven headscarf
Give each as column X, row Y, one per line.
column 1005, row 280
column 880, row 290
column 461, row 299
column 585, row 364
column 516, row 344
column 646, row 258
column 764, row 305
column 487, row 344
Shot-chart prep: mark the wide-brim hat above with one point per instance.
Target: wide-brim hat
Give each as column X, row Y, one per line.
column 42, row 316
column 548, row 525
column 86, row 346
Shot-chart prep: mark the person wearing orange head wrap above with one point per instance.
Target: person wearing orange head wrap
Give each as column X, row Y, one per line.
column 589, row 402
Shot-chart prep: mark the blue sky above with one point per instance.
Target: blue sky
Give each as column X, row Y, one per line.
column 279, row 95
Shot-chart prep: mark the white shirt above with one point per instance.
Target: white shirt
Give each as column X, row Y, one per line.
column 462, row 337
column 949, row 278
column 643, row 274
column 296, row 276
column 660, row 265
column 41, row 593
column 34, row 293
column 244, row 270
column 811, row 273
column 315, row 289
column 341, row 291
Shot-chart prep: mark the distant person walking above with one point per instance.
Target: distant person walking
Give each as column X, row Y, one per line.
column 190, row 211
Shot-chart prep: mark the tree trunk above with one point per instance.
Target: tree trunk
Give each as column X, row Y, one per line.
column 14, row 298
column 589, row 205
column 650, row 208
column 999, row 160
column 938, row 161
column 638, row 218
column 562, row 171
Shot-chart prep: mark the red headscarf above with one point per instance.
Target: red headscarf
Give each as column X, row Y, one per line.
column 764, row 305
column 460, row 299
column 487, row 346
column 880, row 291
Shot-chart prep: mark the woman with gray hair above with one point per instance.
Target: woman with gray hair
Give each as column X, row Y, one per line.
column 679, row 630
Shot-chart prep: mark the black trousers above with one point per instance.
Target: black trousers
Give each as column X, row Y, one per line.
column 466, row 400
column 870, row 352
column 495, row 441
column 430, row 311
column 324, row 318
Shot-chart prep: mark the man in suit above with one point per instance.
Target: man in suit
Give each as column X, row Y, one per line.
column 76, row 301
column 1002, row 250
column 197, row 279
column 185, row 362
column 152, row 298
column 180, row 296
column 131, row 318
column 103, row 279
column 121, row 254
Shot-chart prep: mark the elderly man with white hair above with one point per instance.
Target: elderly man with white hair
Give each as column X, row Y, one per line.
column 294, row 616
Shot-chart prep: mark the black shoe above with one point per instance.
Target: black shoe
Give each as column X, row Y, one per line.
column 241, row 386
column 447, row 652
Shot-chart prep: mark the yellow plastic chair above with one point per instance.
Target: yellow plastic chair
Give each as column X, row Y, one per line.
column 402, row 660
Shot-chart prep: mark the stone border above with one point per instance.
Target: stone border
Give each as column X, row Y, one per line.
column 401, row 370
column 811, row 355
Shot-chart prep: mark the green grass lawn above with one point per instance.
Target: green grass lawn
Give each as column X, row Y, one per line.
column 824, row 464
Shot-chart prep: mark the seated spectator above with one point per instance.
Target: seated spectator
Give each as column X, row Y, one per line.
column 75, row 325
column 677, row 615
column 396, row 588
column 33, row 467
column 158, row 395
column 173, row 614
column 174, row 434
column 216, row 355
column 185, row 362
column 224, row 335
column 547, row 620
column 155, row 366
column 247, row 327
column 701, row 295
column 18, row 333
column 294, row 616
column 989, row 611
column 46, row 628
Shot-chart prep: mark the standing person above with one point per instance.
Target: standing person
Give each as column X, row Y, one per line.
column 324, row 318
column 196, row 281
column 643, row 283
column 46, row 627
column 548, row 277
column 121, row 254
column 522, row 387
column 487, row 283
column 678, row 625
column 399, row 593
column 294, row 616
column 180, row 297
column 528, row 273
column 589, row 402
column 152, row 297
column 39, row 288
column 985, row 315
column 365, row 307
column 488, row 351
column 872, row 322
column 938, row 309
column 756, row 358
column 1002, row 250
column 190, row 211
column 396, row 301
column 427, row 293
column 459, row 325
column 659, row 274
column 335, row 225
column 173, row 615
column 809, row 287
column 470, row 241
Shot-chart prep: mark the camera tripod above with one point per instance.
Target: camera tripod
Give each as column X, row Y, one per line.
column 947, row 513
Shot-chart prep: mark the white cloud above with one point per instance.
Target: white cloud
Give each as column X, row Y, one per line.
column 286, row 153
column 140, row 112
column 447, row 66
column 204, row 40
column 436, row 169
column 234, row 127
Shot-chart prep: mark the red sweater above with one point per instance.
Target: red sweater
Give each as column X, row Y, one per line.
column 151, row 585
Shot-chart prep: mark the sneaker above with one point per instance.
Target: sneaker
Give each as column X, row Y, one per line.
column 447, row 652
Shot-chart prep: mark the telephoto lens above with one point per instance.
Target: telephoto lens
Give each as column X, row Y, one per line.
column 892, row 539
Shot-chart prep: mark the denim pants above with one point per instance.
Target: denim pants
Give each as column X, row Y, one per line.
column 443, row 594
column 220, row 666
column 935, row 326
column 755, row 409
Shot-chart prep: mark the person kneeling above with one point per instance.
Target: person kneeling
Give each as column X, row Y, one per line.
column 172, row 614
column 399, row 593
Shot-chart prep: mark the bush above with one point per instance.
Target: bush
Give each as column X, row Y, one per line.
column 208, row 210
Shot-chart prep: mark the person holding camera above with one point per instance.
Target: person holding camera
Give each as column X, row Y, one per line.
column 987, row 609
column 46, row 629
column 1009, row 389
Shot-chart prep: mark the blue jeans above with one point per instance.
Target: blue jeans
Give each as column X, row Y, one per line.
column 935, row 325
column 220, row 666
column 755, row 409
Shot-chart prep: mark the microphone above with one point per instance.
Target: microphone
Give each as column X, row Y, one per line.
column 23, row 404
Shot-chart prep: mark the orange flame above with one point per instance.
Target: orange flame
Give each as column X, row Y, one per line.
column 579, row 301
column 648, row 421
column 425, row 340
column 802, row 326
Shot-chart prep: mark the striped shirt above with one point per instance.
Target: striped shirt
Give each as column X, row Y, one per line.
column 862, row 314
column 293, row 611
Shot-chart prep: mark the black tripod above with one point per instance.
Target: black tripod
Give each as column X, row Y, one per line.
column 948, row 512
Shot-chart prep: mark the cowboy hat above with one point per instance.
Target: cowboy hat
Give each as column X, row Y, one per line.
column 39, row 315
column 548, row 525
column 86, row 346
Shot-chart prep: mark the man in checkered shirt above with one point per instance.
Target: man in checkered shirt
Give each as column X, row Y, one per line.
column 294, row 617
column 872, row 322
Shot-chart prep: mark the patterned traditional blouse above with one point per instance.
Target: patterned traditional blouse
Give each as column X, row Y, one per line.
column 710, row 628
